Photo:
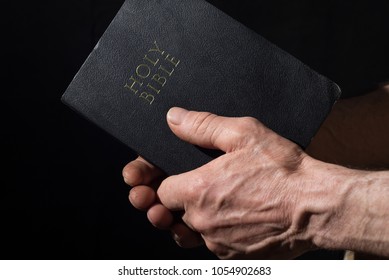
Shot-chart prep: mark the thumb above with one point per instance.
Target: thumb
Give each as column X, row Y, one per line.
column 211, row 131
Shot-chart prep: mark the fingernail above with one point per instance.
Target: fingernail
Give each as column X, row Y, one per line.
column 176, row 115
column 175, row 236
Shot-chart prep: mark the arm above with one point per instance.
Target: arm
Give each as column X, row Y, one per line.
column 356, row 133
column 361, row 222
column 265, row 198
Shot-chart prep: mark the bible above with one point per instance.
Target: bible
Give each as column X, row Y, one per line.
column 159, row 54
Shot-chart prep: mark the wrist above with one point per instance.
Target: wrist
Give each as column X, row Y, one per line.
column 347, row 209
column 321, row 208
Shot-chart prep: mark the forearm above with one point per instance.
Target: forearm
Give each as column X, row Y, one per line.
column 356, row 133
column 357, row 216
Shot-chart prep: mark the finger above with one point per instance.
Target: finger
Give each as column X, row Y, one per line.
column 211, row 131
column 174, row 190
column 140, row 172
column 185, row 237
column 142, row 197
column 160, row 216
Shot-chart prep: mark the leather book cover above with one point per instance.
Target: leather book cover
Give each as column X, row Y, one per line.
column 157, row 54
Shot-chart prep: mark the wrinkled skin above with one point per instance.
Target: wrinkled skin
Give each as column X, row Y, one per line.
column 264, row 198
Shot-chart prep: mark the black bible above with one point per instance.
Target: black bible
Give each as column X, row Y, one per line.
column 158, row 54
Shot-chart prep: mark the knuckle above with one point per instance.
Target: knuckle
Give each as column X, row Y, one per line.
column 221, row 251
column 249, row 124
column 248, row 129
column 200, row 181
column 198, row 222
column 196, row 186
column 165, row 184
column 201, row 122
column 213, row 247
column 163, row 188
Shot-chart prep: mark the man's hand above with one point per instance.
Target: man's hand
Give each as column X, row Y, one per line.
column 250, row 202
column 264, row 198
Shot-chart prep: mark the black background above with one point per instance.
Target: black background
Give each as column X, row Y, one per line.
column 62, row 194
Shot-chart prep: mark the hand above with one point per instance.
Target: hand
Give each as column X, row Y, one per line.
column 264, row 198
column 145, row 179
column 250, row 202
